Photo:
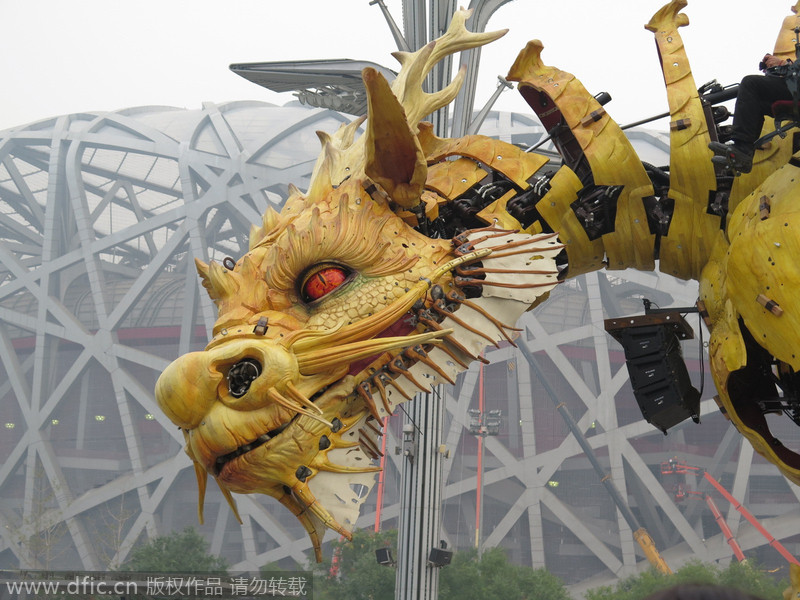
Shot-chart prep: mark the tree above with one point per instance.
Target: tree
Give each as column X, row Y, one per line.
column 179, row 552
column 493, row 576
column 40, row 528
column 353, row 573
column 742, row 576
column 356, row 575
column 107, row 529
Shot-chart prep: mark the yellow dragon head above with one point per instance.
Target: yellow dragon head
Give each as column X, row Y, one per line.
column 346, row 306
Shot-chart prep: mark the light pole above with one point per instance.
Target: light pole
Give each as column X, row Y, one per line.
column 482, row 424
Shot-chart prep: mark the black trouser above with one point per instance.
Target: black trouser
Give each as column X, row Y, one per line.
column 754, row 101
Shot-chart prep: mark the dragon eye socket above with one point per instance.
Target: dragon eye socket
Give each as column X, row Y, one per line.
column 322, row 280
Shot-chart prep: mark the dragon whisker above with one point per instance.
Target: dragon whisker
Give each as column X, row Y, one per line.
column 277, row 397
column 451, row 354
column 301, row 398
column 419, row 354
column 365, row 391
column 410, row 377
column 303, row 495
column 376, row 381
column 478, row 270
column 400, row 367
column 501, row 327
column 397, row 386
column 315, row 361
column 452, row 341
column 371, row 424
column 369, row 447
column 467, row 281
column 299, row 511
column 465, row 325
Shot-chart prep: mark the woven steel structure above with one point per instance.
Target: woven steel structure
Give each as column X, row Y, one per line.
column 101, row 216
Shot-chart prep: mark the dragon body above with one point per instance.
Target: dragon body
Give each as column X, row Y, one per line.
column 410, row 253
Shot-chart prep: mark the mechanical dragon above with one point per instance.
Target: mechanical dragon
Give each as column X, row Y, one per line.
column 409, row 253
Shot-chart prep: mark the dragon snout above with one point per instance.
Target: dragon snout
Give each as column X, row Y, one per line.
column 241, row 375
column 187, row 388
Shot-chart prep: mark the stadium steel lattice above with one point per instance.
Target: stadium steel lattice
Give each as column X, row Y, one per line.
column 101, row 216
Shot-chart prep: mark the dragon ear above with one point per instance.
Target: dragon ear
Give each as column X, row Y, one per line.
column 393, row 155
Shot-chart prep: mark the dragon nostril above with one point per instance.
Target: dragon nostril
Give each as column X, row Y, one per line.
column 241, row 375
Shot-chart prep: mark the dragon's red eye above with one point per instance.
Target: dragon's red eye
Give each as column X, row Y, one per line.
column 323, row 281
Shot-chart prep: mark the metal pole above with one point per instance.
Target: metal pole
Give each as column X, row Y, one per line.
column 482, row 10
column 476, row 123
column 639, row 533
column 479, row 499
column 420, row 501
column 399, row 39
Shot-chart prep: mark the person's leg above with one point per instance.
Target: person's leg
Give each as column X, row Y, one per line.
column 754, row 101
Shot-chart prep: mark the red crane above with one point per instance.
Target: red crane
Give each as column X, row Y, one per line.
column 676, row 467
column 681, row 493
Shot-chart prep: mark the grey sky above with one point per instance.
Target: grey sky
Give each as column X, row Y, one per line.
column 60, row 57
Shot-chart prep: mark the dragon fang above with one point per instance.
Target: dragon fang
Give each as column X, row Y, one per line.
column 410, row 253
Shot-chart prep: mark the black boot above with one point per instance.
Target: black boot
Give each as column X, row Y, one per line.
column 736, row 156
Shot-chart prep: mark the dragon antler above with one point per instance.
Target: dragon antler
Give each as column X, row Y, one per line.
column 415, row 67
column 342, row 155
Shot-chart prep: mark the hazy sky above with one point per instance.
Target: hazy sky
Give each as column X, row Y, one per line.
column 64, row 56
